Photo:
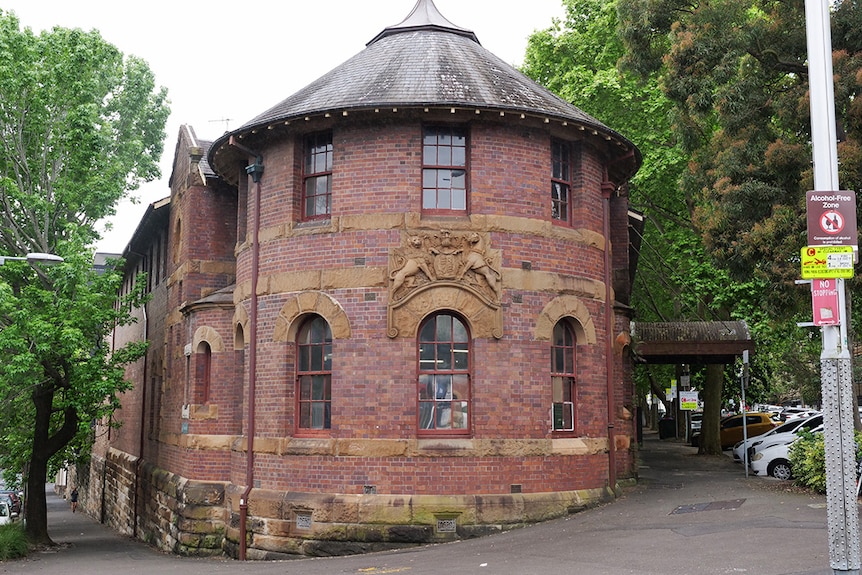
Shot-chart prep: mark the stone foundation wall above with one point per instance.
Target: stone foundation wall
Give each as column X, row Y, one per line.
column 284, row 523
column 201, row 518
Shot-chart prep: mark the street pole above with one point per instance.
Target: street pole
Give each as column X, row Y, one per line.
column 835, row 363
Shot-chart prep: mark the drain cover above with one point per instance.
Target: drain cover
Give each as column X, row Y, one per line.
column 711, row 506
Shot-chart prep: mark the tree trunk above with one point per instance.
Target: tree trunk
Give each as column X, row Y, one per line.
column 44, row 447
column 710, row 442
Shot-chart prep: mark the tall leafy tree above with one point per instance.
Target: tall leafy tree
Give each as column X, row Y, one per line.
column 80, row 127
column 579, row 59
column 736, row 71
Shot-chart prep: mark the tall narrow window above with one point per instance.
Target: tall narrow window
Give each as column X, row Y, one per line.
column 563, row 362
column 444, row 375
column 203, row 371
column 317, row 176
column 314, row 374
column 561, row 182
column 444, row 169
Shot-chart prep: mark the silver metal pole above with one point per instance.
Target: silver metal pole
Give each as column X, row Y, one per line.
column 835, row 364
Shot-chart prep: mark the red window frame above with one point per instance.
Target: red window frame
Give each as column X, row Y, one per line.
column 444, row 376
column 561, row 182
column 314, row 376
column 444, row 169
column 563, row 377
column 317, row 176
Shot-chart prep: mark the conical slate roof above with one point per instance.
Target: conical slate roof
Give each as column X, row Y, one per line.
column 426, row 61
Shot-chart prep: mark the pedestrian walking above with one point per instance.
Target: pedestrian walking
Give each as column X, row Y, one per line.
column 73, row 498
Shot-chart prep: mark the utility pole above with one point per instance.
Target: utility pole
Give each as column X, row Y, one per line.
column 835, row 361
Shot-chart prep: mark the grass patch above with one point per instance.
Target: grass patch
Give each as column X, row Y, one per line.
column 13, row 541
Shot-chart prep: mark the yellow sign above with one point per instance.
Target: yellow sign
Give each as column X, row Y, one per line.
column 823, row 262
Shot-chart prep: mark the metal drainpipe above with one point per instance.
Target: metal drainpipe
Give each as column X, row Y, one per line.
column 608, row 188
column 255, row 170
column 139, row 463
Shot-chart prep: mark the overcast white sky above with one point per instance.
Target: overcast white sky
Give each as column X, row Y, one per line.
column 217, row 58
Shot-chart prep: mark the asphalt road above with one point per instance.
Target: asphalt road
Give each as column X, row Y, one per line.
column 688, row 515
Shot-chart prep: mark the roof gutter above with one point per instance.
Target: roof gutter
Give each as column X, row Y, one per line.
column 254, row 170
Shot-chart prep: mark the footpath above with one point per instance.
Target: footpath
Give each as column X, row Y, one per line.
column 688, row 515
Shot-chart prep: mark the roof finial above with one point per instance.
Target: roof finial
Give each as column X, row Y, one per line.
column 425, row 16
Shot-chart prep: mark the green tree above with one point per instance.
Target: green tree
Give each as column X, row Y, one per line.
column 736, row 73
column 80, row 127
column 578, row 58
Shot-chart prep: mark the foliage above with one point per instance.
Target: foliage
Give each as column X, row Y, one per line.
column 808, row 460
column 80, row 126
column 587, row 58
column 13, row 541
column 736, row 73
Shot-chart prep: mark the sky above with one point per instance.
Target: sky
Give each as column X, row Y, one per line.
column 223, row 64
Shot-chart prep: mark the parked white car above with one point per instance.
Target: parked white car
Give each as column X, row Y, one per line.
column 790, row 426
column 773, row 461
column 5, row 513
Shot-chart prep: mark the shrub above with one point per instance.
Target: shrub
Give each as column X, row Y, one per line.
column 808, row 460
column 13, row 541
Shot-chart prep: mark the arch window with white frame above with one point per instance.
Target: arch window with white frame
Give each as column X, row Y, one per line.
column 563, row 369
column 314, row 375
column 444, row 375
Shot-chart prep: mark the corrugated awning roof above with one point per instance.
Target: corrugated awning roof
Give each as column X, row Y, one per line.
column 696, row 342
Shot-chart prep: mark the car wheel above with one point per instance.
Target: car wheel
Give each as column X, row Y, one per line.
column 779, row 469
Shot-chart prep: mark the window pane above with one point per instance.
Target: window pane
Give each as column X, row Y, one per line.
column 461, row 356
column 444, row 201
column 459, row 156
column 426, row 387
column 429, row 199
column 305, row 387
column 429, row 178
column 444, row 356
column 444, row 328
column 459, row 200
column 459, row 414
column 443, row 387
column 428, row 330
column 444, row 156
column 426, row 415
column 461, row 387
column 459, row 331
column 458, row 179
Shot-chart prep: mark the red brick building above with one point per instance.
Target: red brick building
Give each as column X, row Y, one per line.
column 392, row 309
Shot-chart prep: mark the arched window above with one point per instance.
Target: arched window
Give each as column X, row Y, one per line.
column 314, row 374
column 444, row 375
column 563, row 367
column 203, row 371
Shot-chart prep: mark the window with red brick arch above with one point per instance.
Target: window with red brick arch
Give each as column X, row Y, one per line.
column 563, row 368
column 314, row 375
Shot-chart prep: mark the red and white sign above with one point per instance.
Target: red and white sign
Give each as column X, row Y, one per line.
column 831, row 218
column 824, row 302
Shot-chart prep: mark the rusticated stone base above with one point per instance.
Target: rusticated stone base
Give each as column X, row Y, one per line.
column 201, row 518
column 283, row 524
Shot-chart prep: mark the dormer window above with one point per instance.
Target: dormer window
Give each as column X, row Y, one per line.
column 444, row 169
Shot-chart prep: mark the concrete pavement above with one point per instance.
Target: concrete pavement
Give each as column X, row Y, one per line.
column 687, row 515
